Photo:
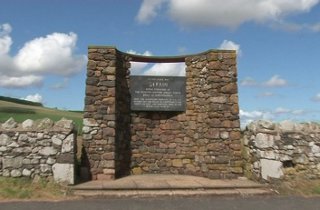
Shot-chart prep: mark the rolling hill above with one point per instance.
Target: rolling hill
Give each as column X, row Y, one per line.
column 21, row 110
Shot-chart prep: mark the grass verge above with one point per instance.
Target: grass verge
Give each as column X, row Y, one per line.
column 25, row 188
column 298, row 186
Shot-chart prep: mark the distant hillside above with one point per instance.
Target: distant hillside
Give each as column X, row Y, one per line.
column 20, row 101
column 20, row 111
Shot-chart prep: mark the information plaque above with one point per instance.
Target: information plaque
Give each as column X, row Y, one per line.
column 158, row 93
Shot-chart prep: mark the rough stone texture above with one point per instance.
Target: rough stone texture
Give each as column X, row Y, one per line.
column 271, row 169
column 203, row 141
column 64, row 173
column 31, row 148
column 282, row 150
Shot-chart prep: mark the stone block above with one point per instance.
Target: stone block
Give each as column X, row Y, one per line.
column 63, row 173
column 271, row 169
column 177, row 163
column 105, row 176
column 56, row 141
column 136, row 171
column 68, row 144
column 66, row 158
column 12, row 162
column 9, row 124
column 27, row 124
column 4, row 139
column 26, row 172
column 262, row 141
column 237, row 170
column 47, row 151
column 64, row 124
column 45, row 123
column 15, row 173
column 287, row 125
column 108, row 171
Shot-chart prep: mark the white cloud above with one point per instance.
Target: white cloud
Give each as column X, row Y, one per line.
column 167, row 69
column 230, row 45
column 231, row 13
column 138, row 67
column 34, row 98
column 298, row 112
column 5, row 39
column 158, row 69
column 247, row 117
column 275, row 81
column 266, row 94
column 248, row 81
column 281, row 110
column 52, row 54
column 148, row 10
column 20, row 82
column 315, row 27
column 316, row 98
column 61, row 85
column 277, row 114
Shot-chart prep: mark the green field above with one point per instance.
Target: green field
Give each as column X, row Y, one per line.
column 21, row 112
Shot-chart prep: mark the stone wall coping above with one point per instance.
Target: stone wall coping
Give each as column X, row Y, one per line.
column 41, row 125
column 161, row 59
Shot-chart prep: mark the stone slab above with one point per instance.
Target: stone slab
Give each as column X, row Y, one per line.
column 271, row 168
column 158, row 93
column 64, row 173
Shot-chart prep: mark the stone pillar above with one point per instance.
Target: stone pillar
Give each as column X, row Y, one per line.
column 212, row 108
column 99, row 117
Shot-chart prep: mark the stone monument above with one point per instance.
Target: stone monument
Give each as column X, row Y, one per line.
column 162, row 125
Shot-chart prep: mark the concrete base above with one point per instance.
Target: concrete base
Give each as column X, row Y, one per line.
column 154, row 185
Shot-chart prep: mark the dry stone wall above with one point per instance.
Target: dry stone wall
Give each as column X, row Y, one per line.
column 204, row 140
column 282, row 150
column 38, row 149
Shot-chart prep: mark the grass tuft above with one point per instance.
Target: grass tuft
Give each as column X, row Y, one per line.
column 25, row 188
column 299, row 186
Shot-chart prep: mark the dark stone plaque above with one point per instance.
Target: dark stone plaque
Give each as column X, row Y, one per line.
column 158, row 93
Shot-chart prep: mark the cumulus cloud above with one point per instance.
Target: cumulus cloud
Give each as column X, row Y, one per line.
column 34, row 98
column 5, row 39
column 287, row 26
column 158, row 69
column 138, row 67
column 60, row 85
column 167, row 69
column 277, row 114
column 281, row 110
column 20, row 81
column 52, row 54
column 316, row 98
column 275, row 81
column 248, row 81
column 247, row 117
column 149, row 10
column 230, row 45
column 266, row 94
column 230, row 13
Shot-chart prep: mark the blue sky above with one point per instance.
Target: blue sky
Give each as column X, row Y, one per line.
column 43, row 47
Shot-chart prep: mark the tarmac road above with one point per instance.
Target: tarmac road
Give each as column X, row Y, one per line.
column 166, row 203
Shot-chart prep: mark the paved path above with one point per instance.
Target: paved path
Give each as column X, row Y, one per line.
column 175, row 203
column 156, row 185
